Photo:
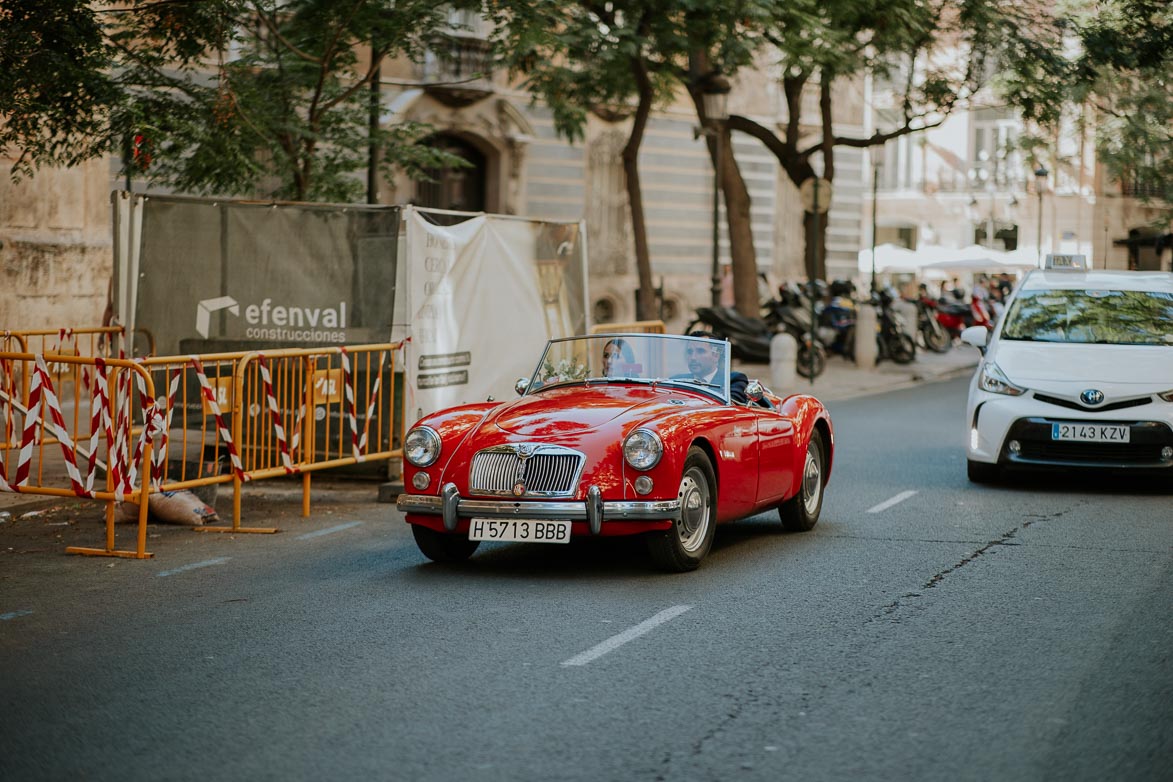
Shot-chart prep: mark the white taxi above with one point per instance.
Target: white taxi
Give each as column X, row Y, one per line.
column 1077, row 373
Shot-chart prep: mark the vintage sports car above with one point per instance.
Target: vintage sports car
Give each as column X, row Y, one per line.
column 617, row 434
column 1077, row 374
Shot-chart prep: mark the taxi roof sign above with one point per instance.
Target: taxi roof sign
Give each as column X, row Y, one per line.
column 1077, row 262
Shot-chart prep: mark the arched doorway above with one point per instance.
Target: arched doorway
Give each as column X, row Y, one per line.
column 459, row 189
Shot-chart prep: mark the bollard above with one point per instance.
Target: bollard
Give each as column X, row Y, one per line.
column 783, row 354
column 865, row 336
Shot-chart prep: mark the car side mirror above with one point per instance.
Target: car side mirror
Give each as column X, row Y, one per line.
column 976, row 336
column 754, row 391
column 521, row 386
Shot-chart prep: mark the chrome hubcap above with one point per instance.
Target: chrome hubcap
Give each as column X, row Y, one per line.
column 812, row 480
column 694, row 510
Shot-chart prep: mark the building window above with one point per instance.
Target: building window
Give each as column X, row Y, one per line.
column 459, row 189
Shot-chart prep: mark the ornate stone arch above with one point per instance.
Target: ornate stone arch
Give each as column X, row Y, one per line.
column 495, row 128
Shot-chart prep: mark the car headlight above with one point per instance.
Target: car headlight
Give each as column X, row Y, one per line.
column 642, row 449
column 1167, row 395
column 993, row 380
column 421, row 448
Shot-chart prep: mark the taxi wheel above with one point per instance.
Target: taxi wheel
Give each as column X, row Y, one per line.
column 801, row 512
column 443, row 547
column 981, row 472
column 682, row 548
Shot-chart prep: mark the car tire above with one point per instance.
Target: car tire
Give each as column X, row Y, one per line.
column 801, row 512
column 441, row 546
column 682, row 548
column 981, row 472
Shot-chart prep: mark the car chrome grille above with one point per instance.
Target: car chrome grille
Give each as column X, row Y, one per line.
column 542, row 470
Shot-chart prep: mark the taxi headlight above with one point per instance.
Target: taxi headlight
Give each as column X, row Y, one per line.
column 642, row 449
column 421, row 448
column 993, row 380
column 1167, row 395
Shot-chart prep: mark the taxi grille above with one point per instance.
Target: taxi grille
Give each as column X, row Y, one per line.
column 548, row 471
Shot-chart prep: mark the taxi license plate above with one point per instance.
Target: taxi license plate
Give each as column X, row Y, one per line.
column 1090, row 433
column 519, row 530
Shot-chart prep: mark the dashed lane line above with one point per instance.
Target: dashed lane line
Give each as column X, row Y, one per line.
column 194, row 565
column 899, row 498
column 630, row 634
column 328, row 530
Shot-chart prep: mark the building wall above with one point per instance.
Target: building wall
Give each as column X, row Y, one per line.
column 56, row 254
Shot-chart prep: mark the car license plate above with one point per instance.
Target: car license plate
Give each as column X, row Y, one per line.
column 520, row 530
column 1090, row 433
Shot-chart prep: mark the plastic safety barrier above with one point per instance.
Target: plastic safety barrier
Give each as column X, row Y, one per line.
column 46, row 445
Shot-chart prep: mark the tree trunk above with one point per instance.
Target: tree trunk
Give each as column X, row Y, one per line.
column 645, row 308
column 742, row 253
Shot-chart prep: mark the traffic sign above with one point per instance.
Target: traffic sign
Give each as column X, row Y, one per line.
column 807, row 191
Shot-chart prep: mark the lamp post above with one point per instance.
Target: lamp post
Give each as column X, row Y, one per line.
column 877, row 164
column 715, row 95
column 1040, row 185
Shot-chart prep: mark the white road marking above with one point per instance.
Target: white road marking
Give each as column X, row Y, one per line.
column 194, row 565
column 328, row 530
column 630, row 634
column 14, row 615
column 901, row 497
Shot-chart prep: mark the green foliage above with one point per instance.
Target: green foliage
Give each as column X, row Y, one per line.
column 1112, row 55
column 243, row 97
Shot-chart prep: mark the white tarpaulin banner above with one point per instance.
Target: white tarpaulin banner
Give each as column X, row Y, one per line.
column 484, row 295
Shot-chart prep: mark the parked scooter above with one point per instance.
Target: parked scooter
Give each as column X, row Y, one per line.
column 955, row 316
column 933, row 335
column 790, row 313
column 750, row 338
column 893, row 339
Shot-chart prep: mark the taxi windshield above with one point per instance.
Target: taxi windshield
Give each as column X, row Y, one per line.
column 1104, row 317
column 702, row 364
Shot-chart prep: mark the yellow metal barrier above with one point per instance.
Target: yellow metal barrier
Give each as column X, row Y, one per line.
column 40, row 418
column 221, row 418
column 634, row 327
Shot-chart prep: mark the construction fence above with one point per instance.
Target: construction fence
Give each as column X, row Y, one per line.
column 119, row 429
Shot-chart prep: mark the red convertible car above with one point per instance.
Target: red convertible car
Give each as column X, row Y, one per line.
column 617, row 434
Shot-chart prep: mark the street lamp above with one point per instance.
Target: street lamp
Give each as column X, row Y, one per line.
column 877, row 164
column 1041, row 185
column 715, row 96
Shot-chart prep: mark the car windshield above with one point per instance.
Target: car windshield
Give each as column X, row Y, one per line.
column 1107, row 317
column 693, row 362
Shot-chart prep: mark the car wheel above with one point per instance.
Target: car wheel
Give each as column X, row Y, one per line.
column 684, row 546
column 981, row 472
column 443, row 547
column 801, row 512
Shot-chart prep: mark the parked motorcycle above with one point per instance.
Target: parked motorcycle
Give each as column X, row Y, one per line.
column 892, row 338
column 749, row 338
column 933, row 335
column 790, row 313
column 955, row 316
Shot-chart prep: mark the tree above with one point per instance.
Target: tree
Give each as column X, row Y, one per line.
column 594, row 55
column 934, row 57
column 244, row 97
column 1114, row 57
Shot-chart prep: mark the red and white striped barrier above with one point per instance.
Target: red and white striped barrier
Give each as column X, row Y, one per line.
column 225, row 433
column 275, row 412
column 358, row 444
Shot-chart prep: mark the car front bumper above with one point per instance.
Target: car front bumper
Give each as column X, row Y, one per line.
column 995, row 421
column 594, row 511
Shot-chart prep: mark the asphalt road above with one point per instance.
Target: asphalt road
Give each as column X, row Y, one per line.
column 926, row 629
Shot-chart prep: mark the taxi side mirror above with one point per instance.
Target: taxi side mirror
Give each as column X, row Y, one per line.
column 977, row 336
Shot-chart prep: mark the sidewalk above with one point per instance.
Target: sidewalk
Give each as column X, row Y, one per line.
column 844, row 380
